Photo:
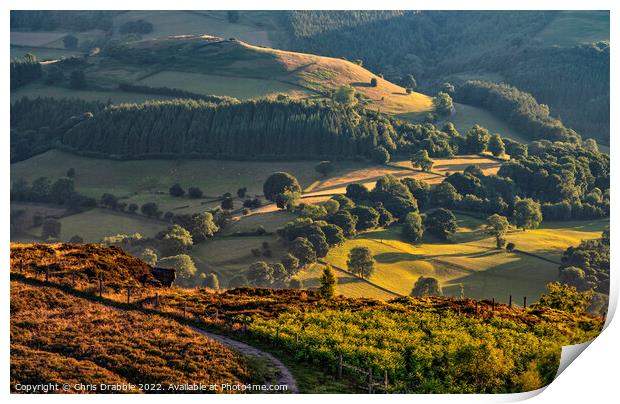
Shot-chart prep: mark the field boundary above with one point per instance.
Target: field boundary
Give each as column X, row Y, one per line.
column 540, row 257
column 362, row 279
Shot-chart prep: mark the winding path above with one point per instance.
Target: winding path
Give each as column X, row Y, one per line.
column 285, row 377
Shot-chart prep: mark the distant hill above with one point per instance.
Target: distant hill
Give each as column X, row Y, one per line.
column 557, row 56
column 212, row 65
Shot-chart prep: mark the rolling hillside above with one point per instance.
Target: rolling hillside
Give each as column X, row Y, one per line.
column 215, row 66
column 142, row 341
column 470, row 259
column 85, row 342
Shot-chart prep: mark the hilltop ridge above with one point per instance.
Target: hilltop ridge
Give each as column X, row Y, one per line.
column 211, row 65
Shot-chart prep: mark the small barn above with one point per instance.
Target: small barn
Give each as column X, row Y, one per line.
column 165, row 276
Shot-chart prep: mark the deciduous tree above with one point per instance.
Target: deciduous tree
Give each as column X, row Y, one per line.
column 361, row 262
column 441, row 223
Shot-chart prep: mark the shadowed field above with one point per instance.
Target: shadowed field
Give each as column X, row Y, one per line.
column 470, row 258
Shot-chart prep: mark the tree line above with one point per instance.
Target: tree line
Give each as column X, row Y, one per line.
column 24, row 70
column 227, row 128
column 174, row 92
column 37, row 123
column 519, row 109
column 438, row 46
column 70, row 20
column 245, row 130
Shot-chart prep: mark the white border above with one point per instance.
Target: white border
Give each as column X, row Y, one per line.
column 591, row 378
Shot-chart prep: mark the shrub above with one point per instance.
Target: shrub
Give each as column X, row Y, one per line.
column 184, row 266
column 212, row 281
column 380, row 155
column 76, row 240
column 296, row 283
column 176, row 190
column 238, row 281
column 194, row 192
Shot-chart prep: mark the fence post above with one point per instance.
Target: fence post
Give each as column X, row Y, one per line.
column 184, row 309
column 156, row 299
column 510, row 301
column 217, row 314
column 493, row 304
column 100, row 287
column 370, row 380
column 385, row 381
column 21, row 266
column 73, row 278
column 524, row 302
column 340, row 366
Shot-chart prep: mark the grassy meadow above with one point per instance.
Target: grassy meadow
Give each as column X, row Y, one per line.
column 44, row 54
column 369, row 174
column 468, row 258
column 126, row 178
column 39, row 39
column 142, row 181
column 255, row 28
column 347, row 284
column 571, row 28
column 38, row 89
column 95, row 224
column 465, row 116
column 233, row 86
column 231, row 68
column 231, row 256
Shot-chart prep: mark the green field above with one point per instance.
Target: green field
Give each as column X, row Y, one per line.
column 41, row 53
column 230, row 256
column 348, row 285
column 233, row 86
column 470, row 258
column 552, row 238
column 271, row 221
column 39, row 39
column 141, row 181
column 177, row 22
column 48, row 45
column 570, row 28
column 38, row 89
column 126, row 178
column 466, row 116
column 95, row 224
